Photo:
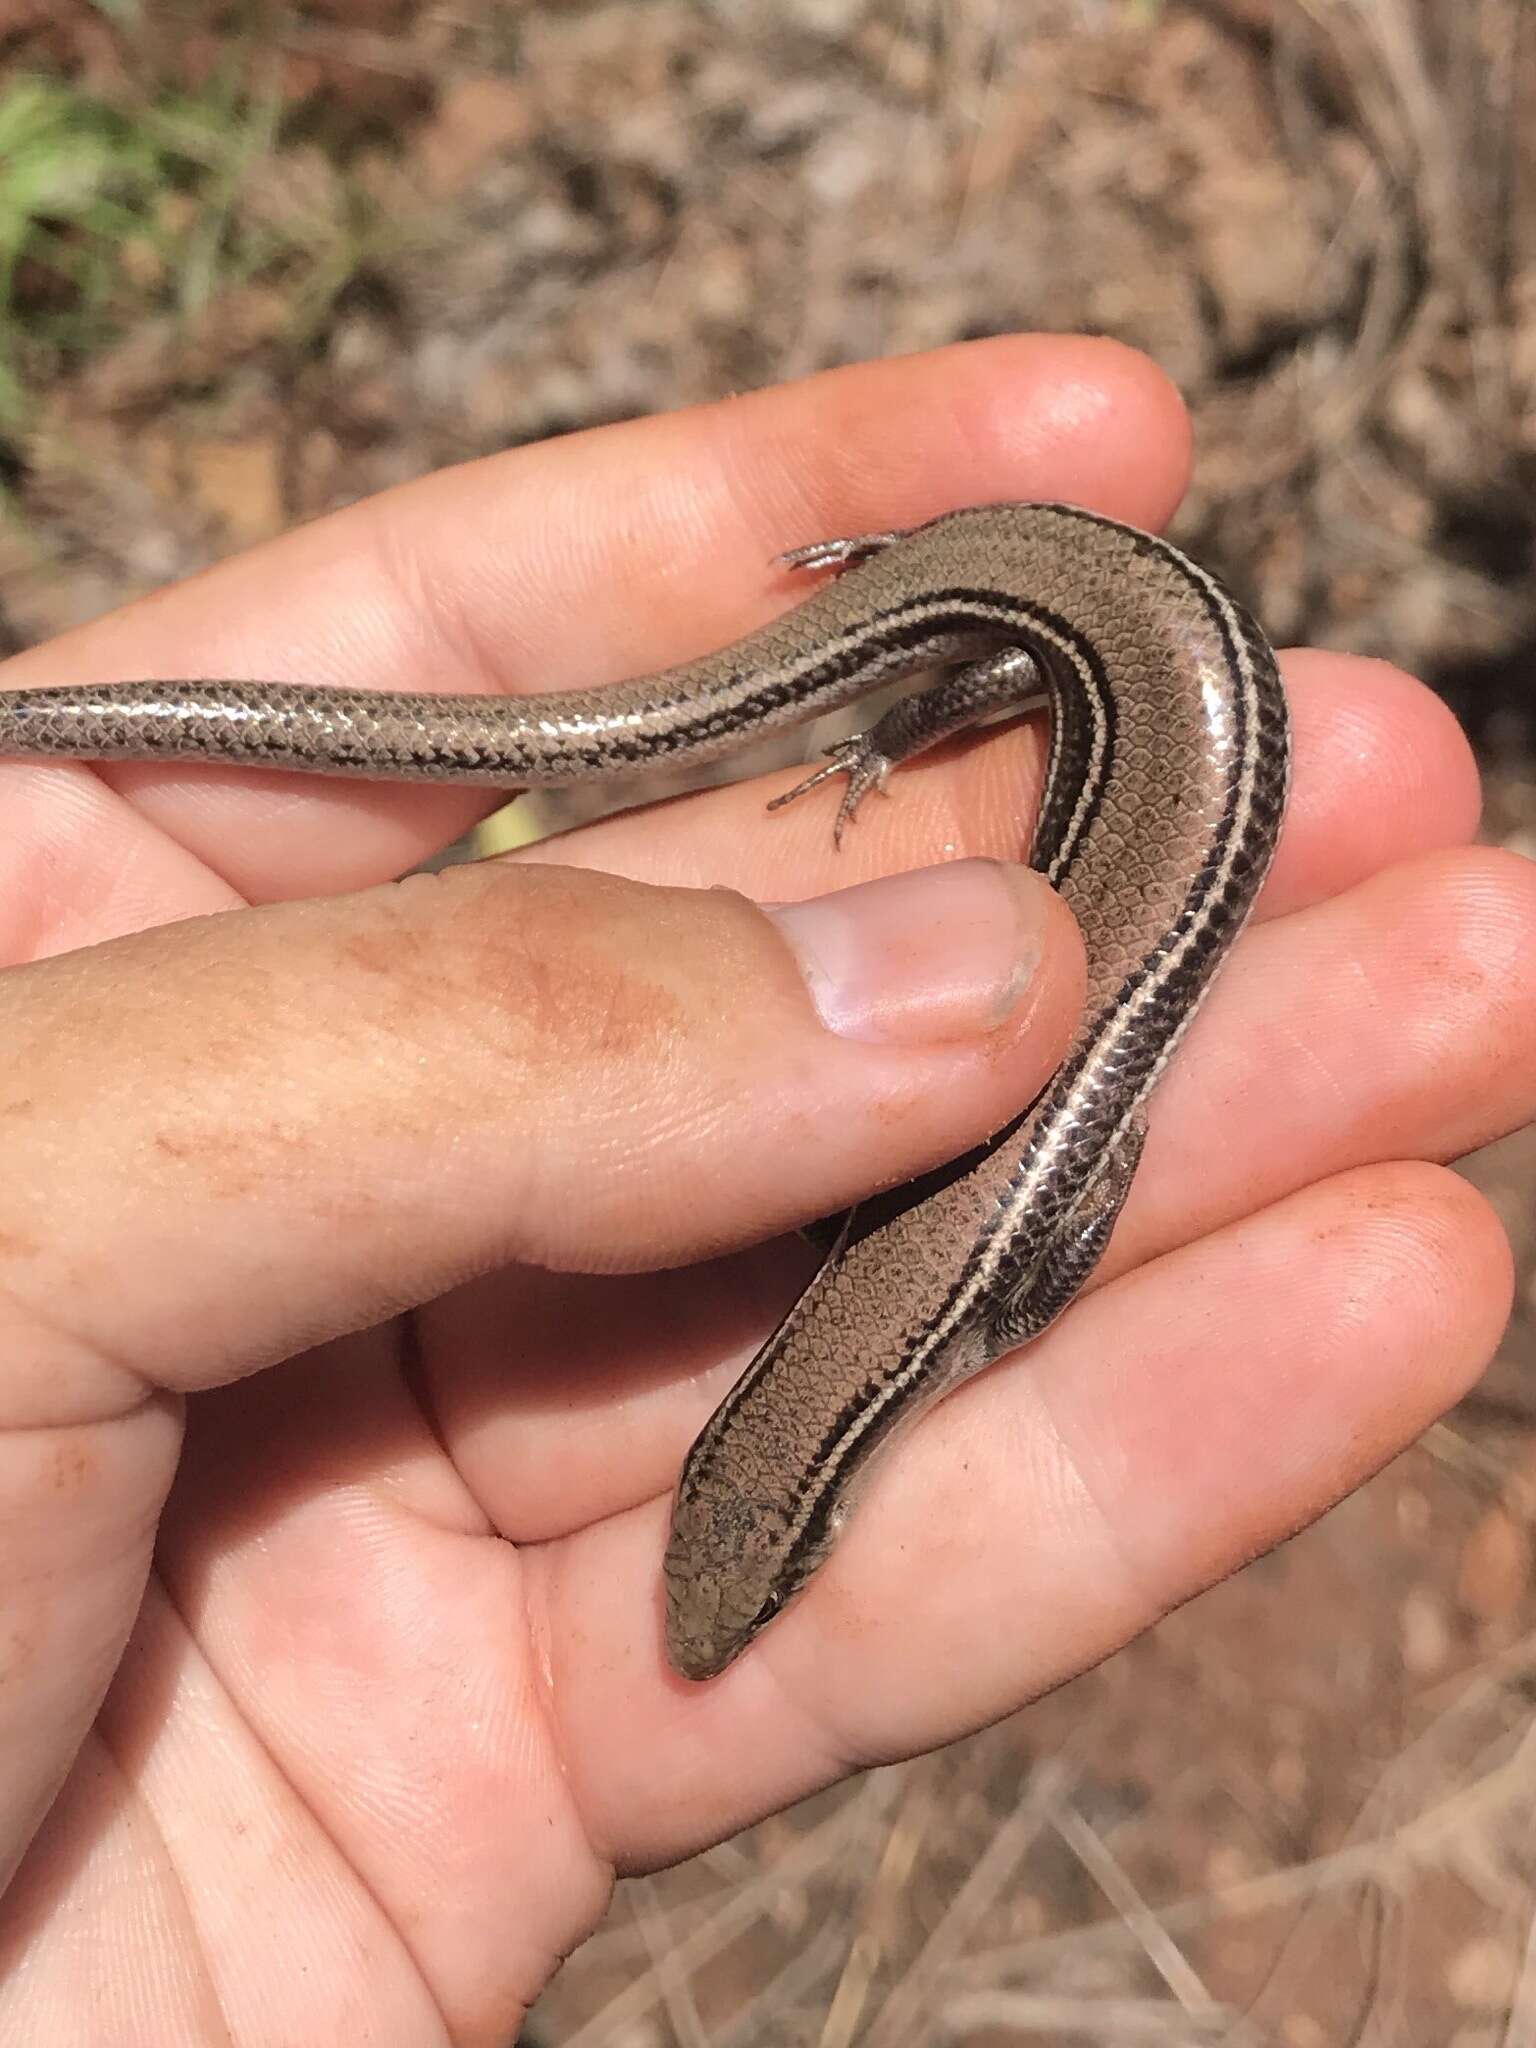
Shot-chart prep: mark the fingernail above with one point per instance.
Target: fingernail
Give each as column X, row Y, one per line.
column 940, row 953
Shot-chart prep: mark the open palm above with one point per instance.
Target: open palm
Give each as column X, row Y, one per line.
column 361, row 1756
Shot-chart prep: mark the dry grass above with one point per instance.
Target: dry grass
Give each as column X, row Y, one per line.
column 1300, row 1813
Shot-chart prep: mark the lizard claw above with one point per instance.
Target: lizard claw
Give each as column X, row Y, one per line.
column 839, row 554
column 865, row 767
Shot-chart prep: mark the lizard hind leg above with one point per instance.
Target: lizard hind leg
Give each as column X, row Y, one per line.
column 961, row 698
column 860, row 759
column 1060, row 1276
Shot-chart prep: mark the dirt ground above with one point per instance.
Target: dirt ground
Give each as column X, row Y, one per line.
column 325, row 247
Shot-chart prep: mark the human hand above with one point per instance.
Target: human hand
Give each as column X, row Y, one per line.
column 394, row 1705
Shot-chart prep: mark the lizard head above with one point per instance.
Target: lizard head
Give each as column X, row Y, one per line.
column 733, row 1561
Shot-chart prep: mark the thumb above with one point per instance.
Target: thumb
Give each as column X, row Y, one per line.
column 252, row 1131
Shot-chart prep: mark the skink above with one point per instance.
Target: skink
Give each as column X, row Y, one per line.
column 1163, row 800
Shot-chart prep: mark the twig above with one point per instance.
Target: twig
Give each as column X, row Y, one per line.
column 674, row 1986
column 1100, row 2019
column 1427, row 1834
column 1164, row 1954
column 898, row 2017
column 740, row 1909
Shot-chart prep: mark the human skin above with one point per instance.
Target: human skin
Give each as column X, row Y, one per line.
column 332, row 1698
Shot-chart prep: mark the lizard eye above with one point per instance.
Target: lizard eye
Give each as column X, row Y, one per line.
column 767, row 1611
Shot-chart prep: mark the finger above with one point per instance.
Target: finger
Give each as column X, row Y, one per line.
column 1382, row 772
column 598, row 557
column 1412, row 1040
column 1186, row 1418
column 376, row 1097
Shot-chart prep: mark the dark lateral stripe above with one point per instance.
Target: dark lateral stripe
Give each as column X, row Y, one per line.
column 844, row 1442
column 1036, row 626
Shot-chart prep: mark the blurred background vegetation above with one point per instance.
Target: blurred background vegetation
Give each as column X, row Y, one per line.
column 258, row 260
